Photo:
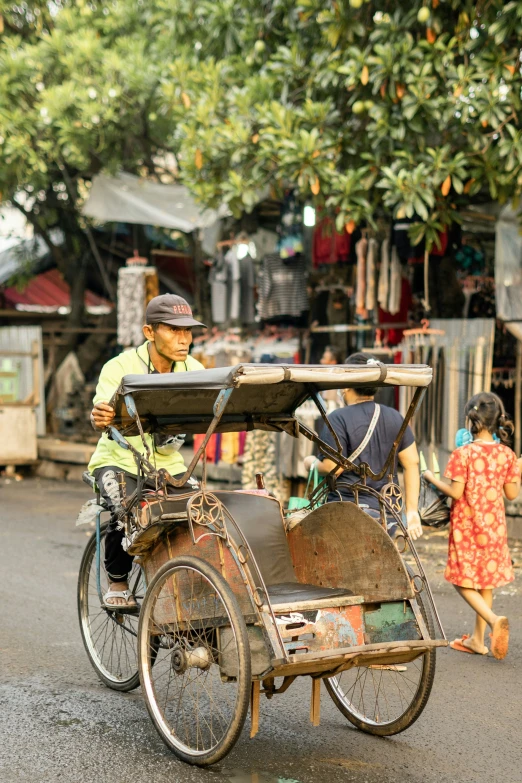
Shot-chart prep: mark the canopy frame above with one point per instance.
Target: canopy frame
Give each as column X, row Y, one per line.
column 278, row 422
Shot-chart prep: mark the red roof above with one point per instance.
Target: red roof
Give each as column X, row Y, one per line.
column 48, row 291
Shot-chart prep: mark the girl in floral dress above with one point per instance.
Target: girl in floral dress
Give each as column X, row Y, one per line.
column 478, row 554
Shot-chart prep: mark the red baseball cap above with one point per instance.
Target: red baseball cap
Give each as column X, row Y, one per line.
column 170, row 309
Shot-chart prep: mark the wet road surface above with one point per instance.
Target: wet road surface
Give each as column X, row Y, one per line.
column 59, row 723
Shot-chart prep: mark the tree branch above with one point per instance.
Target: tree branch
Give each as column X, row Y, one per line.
column 42, row 232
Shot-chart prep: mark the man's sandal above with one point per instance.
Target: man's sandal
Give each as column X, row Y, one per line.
column 127, row 608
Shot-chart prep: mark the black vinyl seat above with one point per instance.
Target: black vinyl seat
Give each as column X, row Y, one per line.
column 261, row 522
column 296, row 593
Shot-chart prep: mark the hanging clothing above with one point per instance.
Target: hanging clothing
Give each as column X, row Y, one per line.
column 247, row 312
column 394, row 336
column 329, row 246
column 371, row 271
column 234, row 277
column 283, row 287
column 395, row 283
column 384, row 275
column 290, row 228
column 219, row 279
column 361, row 250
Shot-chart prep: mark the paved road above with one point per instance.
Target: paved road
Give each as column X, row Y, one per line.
column 59, row 723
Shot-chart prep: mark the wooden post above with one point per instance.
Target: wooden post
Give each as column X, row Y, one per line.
column 254, row 708
column 518, row 399
column 315, row 702
column 36, row 373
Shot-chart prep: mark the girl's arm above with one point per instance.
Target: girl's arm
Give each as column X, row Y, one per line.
column 511, row 490
column 455, row 490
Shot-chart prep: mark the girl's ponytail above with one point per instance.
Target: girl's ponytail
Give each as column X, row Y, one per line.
column 485, row 411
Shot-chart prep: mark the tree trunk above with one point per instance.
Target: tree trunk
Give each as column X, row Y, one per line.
column 77, row 285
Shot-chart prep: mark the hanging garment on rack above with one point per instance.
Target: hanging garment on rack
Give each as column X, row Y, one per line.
column 218, row 279
column 384, row 275
column 395, row 283
column 339, row 312
column 371, row 271
column 283, row 287
column 234, row 277
column 137, row 285
column 290, row 228
column 247, row 313
column 329, row 246
column 440, row 380
column 360, row 293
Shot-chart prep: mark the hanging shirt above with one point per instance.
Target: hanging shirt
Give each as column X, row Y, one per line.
column 248, row 281
column 219, row 280
column 330, row 246
column 283, row 286
column 234, row 277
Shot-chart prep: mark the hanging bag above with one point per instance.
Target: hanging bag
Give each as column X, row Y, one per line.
column 295, row 502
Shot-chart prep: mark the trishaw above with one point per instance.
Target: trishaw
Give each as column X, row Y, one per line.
column 234, row 602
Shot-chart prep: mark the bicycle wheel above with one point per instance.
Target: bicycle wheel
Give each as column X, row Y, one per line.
column 386, row 700
column 192, row 630
column 110, row 638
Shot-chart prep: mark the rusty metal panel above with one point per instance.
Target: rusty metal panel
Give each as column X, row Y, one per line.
column 20, row 338
column 391, row 622
column 338, row 545
column 178, row 541
column 322, row 629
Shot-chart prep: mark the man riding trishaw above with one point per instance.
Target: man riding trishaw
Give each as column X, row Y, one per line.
column 168, row 336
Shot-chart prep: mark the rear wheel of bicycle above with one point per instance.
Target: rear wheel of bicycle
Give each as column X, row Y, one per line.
column 110, row 638
column 192, row 630
column 385, row 700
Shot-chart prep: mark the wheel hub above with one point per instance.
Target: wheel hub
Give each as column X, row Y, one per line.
column 197, row 658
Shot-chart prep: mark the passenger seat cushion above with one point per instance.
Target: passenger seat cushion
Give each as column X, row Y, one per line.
column 289, row 593
column 261, row 522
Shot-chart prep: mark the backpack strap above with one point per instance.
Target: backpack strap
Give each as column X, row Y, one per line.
column 366, row 440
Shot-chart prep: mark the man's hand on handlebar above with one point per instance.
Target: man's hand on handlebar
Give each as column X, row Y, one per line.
column 102, row 415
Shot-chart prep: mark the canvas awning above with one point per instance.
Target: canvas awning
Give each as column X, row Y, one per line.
column 129, row 199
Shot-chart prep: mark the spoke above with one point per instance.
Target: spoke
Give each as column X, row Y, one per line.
column 196, row 705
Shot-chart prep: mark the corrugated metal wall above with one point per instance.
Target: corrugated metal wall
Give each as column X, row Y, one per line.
column 20, row 338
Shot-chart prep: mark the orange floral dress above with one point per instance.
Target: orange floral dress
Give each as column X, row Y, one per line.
column 478, row 554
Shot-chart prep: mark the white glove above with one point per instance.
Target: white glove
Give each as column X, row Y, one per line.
column 414, row 524
column 309, row 462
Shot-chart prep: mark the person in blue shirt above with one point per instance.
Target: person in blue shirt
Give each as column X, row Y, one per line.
column 351, row 423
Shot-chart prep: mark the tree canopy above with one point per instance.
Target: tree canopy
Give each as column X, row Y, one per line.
column 365, row 107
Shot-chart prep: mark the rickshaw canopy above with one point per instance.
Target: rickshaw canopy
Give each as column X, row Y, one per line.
column 252, row 396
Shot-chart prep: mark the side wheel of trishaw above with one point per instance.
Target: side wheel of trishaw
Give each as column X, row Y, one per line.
column 110, row 638
column 194, row 660
column 386, row 699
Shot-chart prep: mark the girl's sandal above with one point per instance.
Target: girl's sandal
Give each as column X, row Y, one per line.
column 500, row 638
column 458, row 644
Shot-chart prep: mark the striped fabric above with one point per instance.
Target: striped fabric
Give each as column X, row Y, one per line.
column 283, row 286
